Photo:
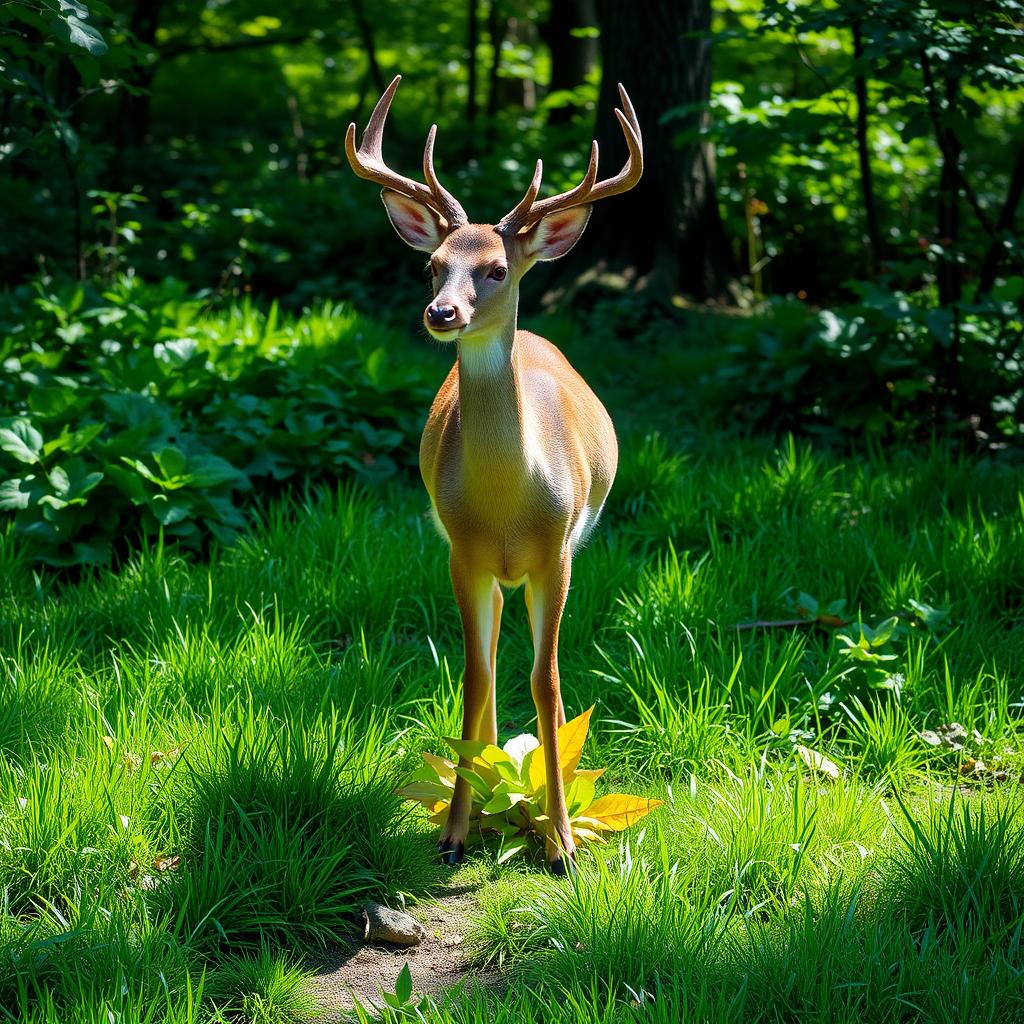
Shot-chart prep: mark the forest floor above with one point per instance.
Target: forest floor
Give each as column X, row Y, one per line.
column 438, row 964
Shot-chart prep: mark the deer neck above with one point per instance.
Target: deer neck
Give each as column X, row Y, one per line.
column 491, row 411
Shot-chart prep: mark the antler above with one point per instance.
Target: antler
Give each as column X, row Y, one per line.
column 589, row 190
column 368, row 162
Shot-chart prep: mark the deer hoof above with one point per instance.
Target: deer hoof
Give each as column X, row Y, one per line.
column 451, row 852
column 563, row 865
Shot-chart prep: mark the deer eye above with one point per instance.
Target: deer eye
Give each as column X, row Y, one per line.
column 499, row 273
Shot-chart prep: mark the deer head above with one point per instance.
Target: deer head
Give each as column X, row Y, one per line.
column 476, row 268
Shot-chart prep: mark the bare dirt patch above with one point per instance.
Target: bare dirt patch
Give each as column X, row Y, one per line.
column 436, row 965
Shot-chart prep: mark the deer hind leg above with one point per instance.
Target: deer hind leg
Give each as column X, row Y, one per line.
column 545, row 596
column 479, row 599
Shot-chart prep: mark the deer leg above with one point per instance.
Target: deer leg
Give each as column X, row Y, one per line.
column 479, row 609
column 535, row 626
column 489, row 725
column 546, row 594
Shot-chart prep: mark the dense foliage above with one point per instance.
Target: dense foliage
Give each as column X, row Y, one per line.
column 136, row 412
column 867, row 162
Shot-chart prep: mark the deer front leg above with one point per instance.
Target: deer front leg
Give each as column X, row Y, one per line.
column 545, row 598
column 479, row 599
column 489, row 725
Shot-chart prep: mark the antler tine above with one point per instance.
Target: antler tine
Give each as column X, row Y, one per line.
column 452, row 210
column 516, row 218
column 589, row 190
column 368, row 162
column 574, row 197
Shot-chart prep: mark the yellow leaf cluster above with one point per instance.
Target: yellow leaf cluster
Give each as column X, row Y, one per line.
column 509, row 787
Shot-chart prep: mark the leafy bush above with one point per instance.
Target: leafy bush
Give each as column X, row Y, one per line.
column 138, row 412
column 890, row 365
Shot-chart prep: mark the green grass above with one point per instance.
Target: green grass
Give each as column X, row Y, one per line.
column 197, row 759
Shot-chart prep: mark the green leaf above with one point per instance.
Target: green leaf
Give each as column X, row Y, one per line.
column 172, row 462
column 579, row 794
column 143, row 470
column 403, row 985
column 211, row 471
column 171, row 509
column 884, row 632
column 430, row 794
column 466, row 748
column 75, row 441
column 504, row 799
column 78, row 32
column 440, row 767
column 478, row 784
column 22, row 441
column 510, row 851
column 17, row 495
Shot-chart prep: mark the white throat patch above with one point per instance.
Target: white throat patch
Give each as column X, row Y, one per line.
column 483, row 357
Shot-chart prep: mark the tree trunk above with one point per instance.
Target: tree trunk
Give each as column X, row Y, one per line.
column 1004, row 224
column 369, row 45
column 472, row 42
column 864, row 158
column 572, row 57
column 133, row 118
column 668, row 228
column 497, row 26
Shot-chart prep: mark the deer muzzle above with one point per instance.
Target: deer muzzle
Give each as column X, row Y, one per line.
column 443, row 320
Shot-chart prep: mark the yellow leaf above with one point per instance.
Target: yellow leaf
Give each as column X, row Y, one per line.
column 445, row 769
column 533, row 768
column 494, row 755
column 440, row 814
column 571, row 738
column 818, row 763
column 617, row 811
column 590, row 773
column 587, row 834
column 430, row 794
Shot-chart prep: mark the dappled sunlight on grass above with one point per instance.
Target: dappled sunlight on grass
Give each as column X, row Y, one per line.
column 197, row 758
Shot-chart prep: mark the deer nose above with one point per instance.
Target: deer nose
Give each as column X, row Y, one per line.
column 442, row 317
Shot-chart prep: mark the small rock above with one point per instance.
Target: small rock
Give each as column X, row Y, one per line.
column 382, row 924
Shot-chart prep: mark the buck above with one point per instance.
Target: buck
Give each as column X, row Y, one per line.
column 518, row 454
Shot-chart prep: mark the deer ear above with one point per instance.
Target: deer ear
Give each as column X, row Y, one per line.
column 554, row 235
column 415, row 222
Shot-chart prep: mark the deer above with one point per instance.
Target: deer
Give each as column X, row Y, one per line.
column 518, row 453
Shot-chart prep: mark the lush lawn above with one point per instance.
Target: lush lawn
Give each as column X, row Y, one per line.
column 252, row 714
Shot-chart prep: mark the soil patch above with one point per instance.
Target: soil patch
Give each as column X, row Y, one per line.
column 436, row 965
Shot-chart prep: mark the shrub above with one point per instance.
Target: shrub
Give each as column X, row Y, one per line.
column 139, row 413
